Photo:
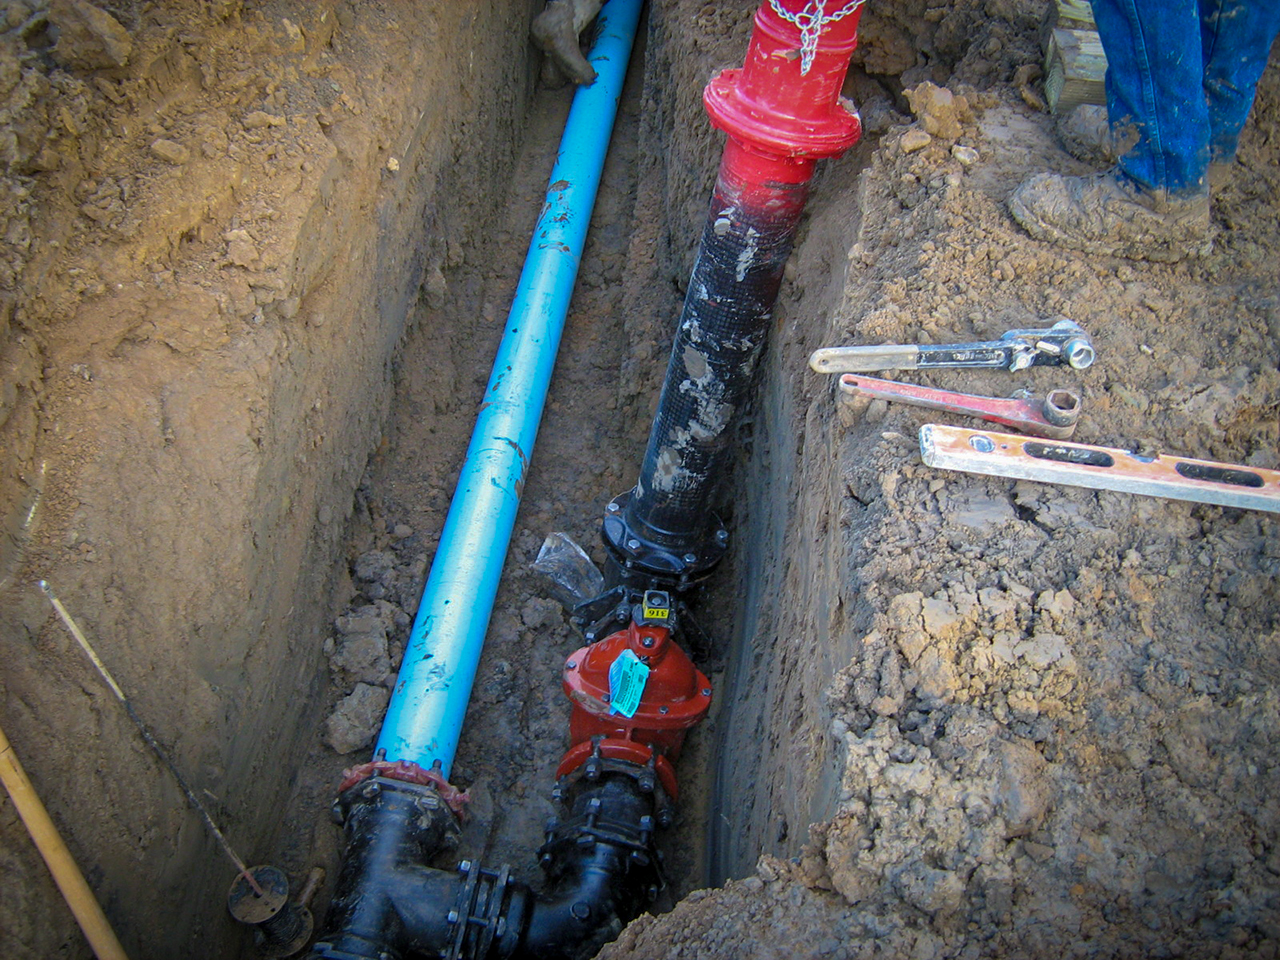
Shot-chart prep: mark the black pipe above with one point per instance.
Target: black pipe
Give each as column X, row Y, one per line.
column 392, row 830
column 602, row 866
column 665, row 527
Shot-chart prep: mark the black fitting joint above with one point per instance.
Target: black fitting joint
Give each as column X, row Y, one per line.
column 602, row 867
column 393, row 830
column 647, row 556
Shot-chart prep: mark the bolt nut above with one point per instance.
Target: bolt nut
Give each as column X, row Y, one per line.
column 646, row 641
column 613, row 508
column 664, row 709
column 690, row 558
column 706, row 691
column 633, row 544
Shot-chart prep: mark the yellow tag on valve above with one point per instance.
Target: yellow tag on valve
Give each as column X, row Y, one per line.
column 655, row 606
column 656, row 613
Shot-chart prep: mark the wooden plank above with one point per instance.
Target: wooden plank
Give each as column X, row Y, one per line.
column 1070, row 14
column 1077, row 14
column 1074, row 69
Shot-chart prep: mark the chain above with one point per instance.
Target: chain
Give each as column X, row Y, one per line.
column 811, row 20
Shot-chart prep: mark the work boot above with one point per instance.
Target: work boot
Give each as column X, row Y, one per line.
column 556, row 31
column 1086, row 134
column 1099, row 214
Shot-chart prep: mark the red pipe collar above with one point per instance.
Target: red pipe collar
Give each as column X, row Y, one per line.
column 770, row 106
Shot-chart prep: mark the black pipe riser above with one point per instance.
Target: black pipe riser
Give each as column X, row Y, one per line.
column 722, row 331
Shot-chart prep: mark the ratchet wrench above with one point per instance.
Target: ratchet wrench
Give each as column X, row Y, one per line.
column 1064, row 342
column 1053, row 416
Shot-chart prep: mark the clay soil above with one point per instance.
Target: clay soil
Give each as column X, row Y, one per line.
column 257, row 257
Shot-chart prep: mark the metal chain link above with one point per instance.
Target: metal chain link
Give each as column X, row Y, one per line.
column 811, row 21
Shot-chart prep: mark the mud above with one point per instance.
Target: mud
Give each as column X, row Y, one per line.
column 257, row 260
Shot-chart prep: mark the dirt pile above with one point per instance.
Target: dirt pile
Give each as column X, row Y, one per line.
column 1024, row 719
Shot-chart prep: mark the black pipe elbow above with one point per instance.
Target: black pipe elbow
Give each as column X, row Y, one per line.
column 393, row 829
column 602, row 868
column 583, row 913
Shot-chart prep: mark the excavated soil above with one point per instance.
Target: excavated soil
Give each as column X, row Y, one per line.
column 258, row 256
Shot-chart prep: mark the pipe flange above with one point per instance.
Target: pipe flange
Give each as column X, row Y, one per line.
column 407, row 772
column 436, row 826
column 281, row 928
column 646, row 555
column 246, row 906
column 480, row 910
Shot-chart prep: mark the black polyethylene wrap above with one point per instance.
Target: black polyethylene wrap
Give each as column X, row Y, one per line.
column 722, row 331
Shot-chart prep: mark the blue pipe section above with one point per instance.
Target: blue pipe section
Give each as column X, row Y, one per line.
column 424, row 719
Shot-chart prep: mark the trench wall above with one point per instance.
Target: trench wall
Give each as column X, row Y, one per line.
column 197, row 343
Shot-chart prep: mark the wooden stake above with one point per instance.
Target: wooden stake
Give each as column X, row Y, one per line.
column 57, row 857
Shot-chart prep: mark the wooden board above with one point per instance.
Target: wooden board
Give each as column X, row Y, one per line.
column 1072, row 14
column 1074, row 67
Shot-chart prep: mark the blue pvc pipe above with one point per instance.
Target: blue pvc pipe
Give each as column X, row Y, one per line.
column 424, row 720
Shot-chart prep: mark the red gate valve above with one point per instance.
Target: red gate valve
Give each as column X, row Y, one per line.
column 675, row 694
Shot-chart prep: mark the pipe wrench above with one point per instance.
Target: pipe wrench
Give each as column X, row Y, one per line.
column 1063, row 343
column 1053, row 416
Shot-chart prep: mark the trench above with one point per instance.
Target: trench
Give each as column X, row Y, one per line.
column 608, row 373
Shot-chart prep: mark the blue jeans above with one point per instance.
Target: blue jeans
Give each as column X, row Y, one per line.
column 1183, row 74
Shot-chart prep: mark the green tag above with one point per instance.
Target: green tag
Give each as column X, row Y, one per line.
column 627, row 677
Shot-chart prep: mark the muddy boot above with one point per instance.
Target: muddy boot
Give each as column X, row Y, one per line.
column 556, row 31
column 1086, row 134
column 1099, row 214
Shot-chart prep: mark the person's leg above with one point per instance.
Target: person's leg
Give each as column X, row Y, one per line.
column 1236, row 40
column 1154, row 76
column 1154, row 205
